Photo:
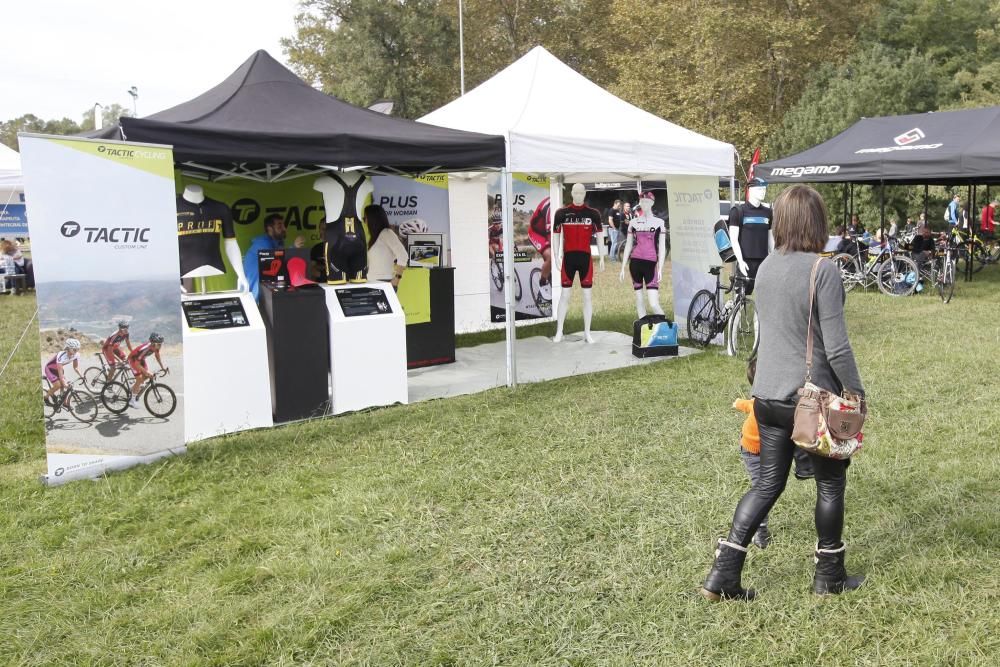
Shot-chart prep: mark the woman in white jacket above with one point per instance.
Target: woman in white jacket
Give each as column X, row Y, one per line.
column 386, row 254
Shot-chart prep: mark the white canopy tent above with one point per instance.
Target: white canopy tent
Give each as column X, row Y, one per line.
column 560, row 124
column 10, row 173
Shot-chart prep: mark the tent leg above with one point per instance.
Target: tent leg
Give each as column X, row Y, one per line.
column 881, row 205
column 926, row 218
column 846, row 220
column 507, row 186
column 852, row 203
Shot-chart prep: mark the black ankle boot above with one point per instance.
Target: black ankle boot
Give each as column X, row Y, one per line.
column 723, row 580
column 831, row 576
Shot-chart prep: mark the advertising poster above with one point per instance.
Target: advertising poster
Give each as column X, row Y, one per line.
column 13, row 222
column 693, row 203
column 532, row 259
column 104, row 240
column 415, row 206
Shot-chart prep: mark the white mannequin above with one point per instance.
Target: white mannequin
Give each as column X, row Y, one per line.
column 196, row 195
column 755, row 197
column 653, row 295
column 333, row 196
column 579, row 192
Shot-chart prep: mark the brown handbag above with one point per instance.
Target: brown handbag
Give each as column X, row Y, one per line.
column 825, row 423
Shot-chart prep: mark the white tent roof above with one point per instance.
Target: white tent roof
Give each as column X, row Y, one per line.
column 558, row 121
column 10, row 169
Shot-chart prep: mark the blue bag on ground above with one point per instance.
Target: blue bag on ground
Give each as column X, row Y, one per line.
column 654, row 336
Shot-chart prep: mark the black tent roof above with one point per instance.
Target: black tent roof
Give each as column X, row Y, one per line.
column 264, row 113
column 940, row 148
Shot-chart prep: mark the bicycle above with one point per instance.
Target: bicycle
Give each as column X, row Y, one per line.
column 893, row 272
column 737, row 319
column 535, row 285
column 95, row 377
column 81, row 405
column 983, row 251
column 496, row 275
column 943, row 271
column 160, row 399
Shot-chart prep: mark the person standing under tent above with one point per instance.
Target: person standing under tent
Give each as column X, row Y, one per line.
column 386, row 255
column 615, row 218
column 953, row 213
column 987, row 223
column 273, row 238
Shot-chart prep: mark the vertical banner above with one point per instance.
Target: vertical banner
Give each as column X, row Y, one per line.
column 532, row 263
column 693, row 203
column 13, row 221
column 104, row 242
column 415, row 205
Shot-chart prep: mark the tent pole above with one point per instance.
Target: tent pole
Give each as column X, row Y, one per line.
column 881, row 205
column 845, row 206
column 927, row 219
column 852, row 203
column 507, row 187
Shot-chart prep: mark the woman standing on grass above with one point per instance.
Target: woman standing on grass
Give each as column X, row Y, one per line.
column 782, row 295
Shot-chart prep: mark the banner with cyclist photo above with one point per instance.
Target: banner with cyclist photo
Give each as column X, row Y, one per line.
column 693, row 203
column 415, row 205
column 532, row 254
column 104, row 242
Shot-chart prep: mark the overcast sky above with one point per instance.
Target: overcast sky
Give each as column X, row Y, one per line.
column 59, row 57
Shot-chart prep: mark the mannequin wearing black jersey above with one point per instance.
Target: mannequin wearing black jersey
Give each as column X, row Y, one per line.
column 345, row 249
column 751, row 249
column 198, row 244
column 579, row 192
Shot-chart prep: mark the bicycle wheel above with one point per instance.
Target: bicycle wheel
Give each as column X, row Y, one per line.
column 703, row 315
column 517, row 285
column 946, row 281
column 82, row 405
column 115, row 396
column 897, row 276
column 93, row 378
column 161, row 401
column 496, row 274
column 535, row 285
column 744, row 329
column 849, row 271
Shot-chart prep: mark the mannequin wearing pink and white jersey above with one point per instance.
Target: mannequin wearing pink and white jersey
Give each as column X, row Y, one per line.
column 645, row 252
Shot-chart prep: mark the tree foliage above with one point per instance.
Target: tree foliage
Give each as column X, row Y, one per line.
column 32, row 123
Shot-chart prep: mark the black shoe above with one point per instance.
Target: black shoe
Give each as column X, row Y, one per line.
column 831, row 576
column 723, row 581
column 762, row 537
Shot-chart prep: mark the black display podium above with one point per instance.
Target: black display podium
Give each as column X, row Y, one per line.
column 298, row 351
column 432, row 343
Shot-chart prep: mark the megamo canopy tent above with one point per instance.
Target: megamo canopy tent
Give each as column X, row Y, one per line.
column 940, row 148
column 557, row 121
column 268, row 121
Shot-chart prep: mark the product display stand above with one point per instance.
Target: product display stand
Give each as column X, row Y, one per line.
column 432, row 343
column 367, row 346
column 226, row 381
column 297, row 351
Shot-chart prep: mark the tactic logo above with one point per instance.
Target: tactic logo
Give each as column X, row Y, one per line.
column 908, row 137
column 245, row 211
column 70, row 229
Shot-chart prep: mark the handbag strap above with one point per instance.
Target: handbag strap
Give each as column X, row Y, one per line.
column 809, row 330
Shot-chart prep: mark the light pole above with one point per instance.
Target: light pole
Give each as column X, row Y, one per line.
column 461, row 49
column 134, row 92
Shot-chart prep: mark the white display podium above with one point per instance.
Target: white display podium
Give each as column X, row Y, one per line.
column 226, row 380
column 367, row 351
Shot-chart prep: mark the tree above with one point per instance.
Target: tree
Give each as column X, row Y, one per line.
column 32, row 123
column 109, row 116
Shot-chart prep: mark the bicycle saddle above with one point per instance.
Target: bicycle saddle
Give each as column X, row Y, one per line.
column 715, row 270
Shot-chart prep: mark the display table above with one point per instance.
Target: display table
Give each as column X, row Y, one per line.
column 298, row 351
column 226, row 384
column 430, row 340
column 367, row 346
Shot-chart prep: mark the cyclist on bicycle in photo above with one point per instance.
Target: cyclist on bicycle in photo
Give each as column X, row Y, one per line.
column 54, row 373
column 112, row 348
column 540, row 235
column 495, row 228
column 137, row 361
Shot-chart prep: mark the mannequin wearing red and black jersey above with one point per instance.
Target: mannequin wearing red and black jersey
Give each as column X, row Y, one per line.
column 572, row 227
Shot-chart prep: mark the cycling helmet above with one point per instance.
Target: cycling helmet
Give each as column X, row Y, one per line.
column 155, row 338
column 72, row 344
column 414, row 226
column 123, row 324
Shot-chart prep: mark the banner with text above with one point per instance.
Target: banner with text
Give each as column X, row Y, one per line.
column 13, row 221
column 532, row 268
column 415, row 205
column 693, row 204
column 104, row 242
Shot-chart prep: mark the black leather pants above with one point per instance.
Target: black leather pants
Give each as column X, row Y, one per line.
column 774, row 419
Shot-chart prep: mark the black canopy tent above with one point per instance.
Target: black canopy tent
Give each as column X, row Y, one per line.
column 940, row 148
column 265, row 123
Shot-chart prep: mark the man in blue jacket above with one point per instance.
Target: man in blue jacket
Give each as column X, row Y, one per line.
column 272, row 239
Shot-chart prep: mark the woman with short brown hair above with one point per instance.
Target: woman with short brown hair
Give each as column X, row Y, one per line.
column 782, row 297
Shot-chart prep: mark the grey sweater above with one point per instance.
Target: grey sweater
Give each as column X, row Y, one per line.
column 782, row 297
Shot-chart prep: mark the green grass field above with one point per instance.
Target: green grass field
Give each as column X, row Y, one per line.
column 565, row 523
